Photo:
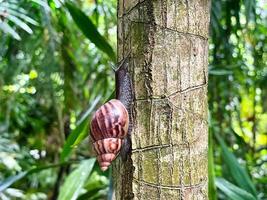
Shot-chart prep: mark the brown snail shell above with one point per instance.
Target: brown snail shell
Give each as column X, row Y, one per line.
column 108, row 128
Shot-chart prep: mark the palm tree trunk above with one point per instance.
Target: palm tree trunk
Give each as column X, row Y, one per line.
column 168, row 45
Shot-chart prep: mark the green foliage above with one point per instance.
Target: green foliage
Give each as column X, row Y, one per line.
column 237, row 98
column 75, row 181
column 96, row 187
column 237, row 172
column 78, row 134
column 11, row 12
column 233, row 192
column 55, row 71
column 89, row 30
column 12, row 179
column 50, row 83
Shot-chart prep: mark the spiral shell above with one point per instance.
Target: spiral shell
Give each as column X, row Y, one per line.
column 108, row 128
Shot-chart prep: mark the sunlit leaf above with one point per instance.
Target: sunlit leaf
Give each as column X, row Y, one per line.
column 42, row 3
column 238, row 173
column 11, row 12
column 75, row 181
column 79, row 133
column 8, row 29
column 9, row 181
column 19, row 14
column 97, row 185
column 20, row 23
column 232, row 191
column 12, row 179
column 13, row 6
column 90, row 30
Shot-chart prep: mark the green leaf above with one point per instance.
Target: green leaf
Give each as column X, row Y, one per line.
column 215, row 18
column 42, row 3
column 212, row 188
column 249, row 6
column 238, row 173
column 232, row 191
column 95, row 194
column 12, row 179
column 19, row 14
column 14, row 6
column 19, row 23
column 9, row 30
column 89, row 30
column 79, row 133
column 75, row 181
column 219, row 72
column 96, row 185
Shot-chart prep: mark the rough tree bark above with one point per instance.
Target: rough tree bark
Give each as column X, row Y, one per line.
column 168, row 45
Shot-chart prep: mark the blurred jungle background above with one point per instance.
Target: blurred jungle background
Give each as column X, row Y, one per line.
column 55, row 69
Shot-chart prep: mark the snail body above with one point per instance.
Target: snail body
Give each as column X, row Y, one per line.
column 111, row 123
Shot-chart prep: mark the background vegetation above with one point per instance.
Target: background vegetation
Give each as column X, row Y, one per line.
column 55, row 69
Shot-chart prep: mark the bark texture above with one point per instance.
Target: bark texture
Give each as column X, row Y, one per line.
column 168, row 45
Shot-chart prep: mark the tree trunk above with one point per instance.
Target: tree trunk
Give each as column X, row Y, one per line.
column 168, row 45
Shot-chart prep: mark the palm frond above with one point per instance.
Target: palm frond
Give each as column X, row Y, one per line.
column 12, row 17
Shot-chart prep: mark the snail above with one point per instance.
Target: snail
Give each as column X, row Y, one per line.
column 109, row 127
column 111, row 123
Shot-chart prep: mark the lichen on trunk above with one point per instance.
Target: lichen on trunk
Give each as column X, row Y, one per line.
column 168, row 45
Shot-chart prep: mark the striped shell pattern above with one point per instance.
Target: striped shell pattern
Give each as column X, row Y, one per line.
column 108, row 128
